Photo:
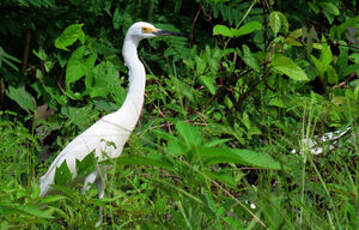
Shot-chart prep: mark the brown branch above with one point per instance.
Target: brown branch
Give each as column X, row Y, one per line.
column 26, row 51
column 265, row 21
column 165, row 117
column 194, row 24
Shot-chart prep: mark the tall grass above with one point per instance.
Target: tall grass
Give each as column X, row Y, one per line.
column 150, row 187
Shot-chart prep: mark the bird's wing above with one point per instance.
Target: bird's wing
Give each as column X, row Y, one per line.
column 104, row 137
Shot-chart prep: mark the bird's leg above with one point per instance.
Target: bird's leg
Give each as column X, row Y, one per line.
column 90, row 179
column 102, row 176
column 101, row 193
column 101, row 187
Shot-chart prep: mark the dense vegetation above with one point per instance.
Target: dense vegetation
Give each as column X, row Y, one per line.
column 223, row 111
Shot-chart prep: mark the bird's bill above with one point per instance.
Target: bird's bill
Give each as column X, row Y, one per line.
column 159, row 32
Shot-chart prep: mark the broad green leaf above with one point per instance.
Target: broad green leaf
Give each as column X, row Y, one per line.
column 249, row 59
column 63, row 175
column 70, row 35
column 326, row 54
column 241, row 156
column 247, row 28
column 87, row 165
column 277, row 20
column 222, row 30
column 232, row 32
column 288, row 67
column 209, row 82
column 24, row 99
column 79, row 66
column 178, row 148
column 293, row 42
column 33, row 211
column 76, row 66
column 79, row 116
column 319, row 65
column 89, row 64
column 189, row 133
column 296, row 33
column 200, row 65
column 329, row 10
column 274, row 22
column 104, row 75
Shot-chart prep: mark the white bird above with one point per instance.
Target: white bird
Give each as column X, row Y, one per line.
column 114, row 128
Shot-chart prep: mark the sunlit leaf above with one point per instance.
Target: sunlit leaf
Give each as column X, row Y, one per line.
column 70, row 35
column 288, row 67
column 249, row 59
column 189, row 133
column 76, row 66
column 24, row 99
column 233, row 32
column 248, row 28
column 241, row 156
column 209, row 82
column 278, row 20
column 200, row 65
column 222, row 30
column 326, row 54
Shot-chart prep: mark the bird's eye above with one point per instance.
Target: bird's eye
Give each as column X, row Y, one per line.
column 146, row 30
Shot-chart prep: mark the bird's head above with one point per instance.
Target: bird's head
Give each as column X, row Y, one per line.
column 141, row 30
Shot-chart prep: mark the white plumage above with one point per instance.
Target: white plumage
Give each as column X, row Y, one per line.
column 114, row 128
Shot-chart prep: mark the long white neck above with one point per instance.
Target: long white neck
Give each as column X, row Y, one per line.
column 131, row 108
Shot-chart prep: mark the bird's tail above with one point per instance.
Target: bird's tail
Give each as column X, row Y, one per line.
column 45, row 183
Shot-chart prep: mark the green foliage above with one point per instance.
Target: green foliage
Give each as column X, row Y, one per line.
column 222, row 112
column 286, row 66
column 70, row 35
column 63, row 175
column 234, row 32
column 22, row 97
column 277, row 21
column 87, row 165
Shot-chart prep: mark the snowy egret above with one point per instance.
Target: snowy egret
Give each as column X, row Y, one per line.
column 114, row 128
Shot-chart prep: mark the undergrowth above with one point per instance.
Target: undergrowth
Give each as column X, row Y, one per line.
column 231, row 119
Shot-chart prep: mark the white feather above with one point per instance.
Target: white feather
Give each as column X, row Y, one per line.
column 115, row 127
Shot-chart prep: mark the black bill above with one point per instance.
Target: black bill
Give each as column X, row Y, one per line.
column 170, row 33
